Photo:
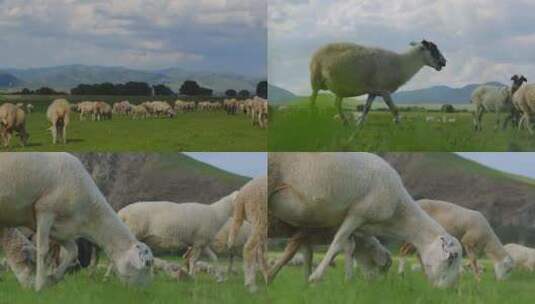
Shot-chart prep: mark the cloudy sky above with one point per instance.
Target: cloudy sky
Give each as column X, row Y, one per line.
column 483, row 40
column 214, row 35
column 521, row 163
column 248, row 164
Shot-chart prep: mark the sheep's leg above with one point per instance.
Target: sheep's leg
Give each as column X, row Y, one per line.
column 293, row 245
column 71, row 250
column 210, row 254
column 54, row 130
column 44, row 224
column 348, row 258
column 250, row 260
column 367, row 107
column 230, row 263
column 338, row 103
column 313, row 99
column 308, row 257
column 527, row 122
column 393, row 109
column 261, row 259
column 340, row 239
column 497, row 120
column 194, row 257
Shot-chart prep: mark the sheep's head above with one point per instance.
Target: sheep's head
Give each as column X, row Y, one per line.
column 503, row 268
column 432, row 55
column 441, row 260
column 134, row 266
column 517, row 82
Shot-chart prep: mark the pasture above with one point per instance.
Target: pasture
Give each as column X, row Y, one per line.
column 289, row 287
column 193, row 131
column 297, row 128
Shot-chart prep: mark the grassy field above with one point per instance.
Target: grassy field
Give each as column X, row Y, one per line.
column 289, row 287
column 196, row 131
column 299, row 129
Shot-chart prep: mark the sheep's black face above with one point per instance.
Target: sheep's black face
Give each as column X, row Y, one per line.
column 517, row 82
column 437, row 59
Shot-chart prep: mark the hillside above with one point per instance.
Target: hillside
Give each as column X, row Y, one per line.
column 129, row 177
column 277, row 95
column 68, row 76
column 9, row 81
column 507, row 200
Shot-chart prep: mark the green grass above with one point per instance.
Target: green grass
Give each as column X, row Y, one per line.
column 289, row 287
column 197, row 131
column 297, row 128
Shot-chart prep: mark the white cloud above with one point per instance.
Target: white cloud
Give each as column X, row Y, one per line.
column 483, row 40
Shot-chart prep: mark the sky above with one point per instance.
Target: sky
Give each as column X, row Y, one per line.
column 521, row 163
column 483, row 40
column 209, row 35
column 250, row 164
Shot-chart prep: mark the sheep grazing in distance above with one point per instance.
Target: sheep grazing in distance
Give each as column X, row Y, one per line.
column 20, row 255
column 168, row 226
column 350, row 70
column 524, row 102
column 29, row 108
column 252, row 205
column 58, row 114
column 139, row 111
column 34, row 194
column 85, row 108
column 523, row 257
column 497, row 99
column 474, row 231
column 12, row 119
column 357, row 193
column 123, row 107
column 184, row 106
column 101, row 110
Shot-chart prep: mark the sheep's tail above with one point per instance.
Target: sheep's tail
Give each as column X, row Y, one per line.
column 238, row 217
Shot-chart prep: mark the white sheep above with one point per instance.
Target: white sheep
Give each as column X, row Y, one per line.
column 349, row 70
column 474, row 231
column 85, row 108
column 139, row 111
column 357, row 193
column 524, row 101
column 219, row 244
column 497, row 99
column 168, row 226
column 29, row 108
column 58, row 114
column 12, row 119
column 20, row 255
column 523, row 257
column 54, row 195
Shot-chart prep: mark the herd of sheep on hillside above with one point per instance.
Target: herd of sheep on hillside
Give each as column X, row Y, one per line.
column 347, row 200
column 350, row 70
column 13, row 116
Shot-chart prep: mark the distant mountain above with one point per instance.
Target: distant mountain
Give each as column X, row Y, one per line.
column 277, row 95
column 438, row 95
column 7, row 80
column 68, row 76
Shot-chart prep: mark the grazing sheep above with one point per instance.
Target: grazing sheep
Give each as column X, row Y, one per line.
column 54, row 195
column 20, row 255
column 139, row 111
column 497, row 99
column 122, row 107
column 167, row 226
column 29, row 108
column 162, row 108
column 184, row 106
column 523, row 257
column 357, row 193
column 429, row 118
column 349, row 70
column 101, row 110
column 58, row 114
column 474, row 231
column 252, row 205
column 85, row 108
column 524, row 101
column 12, row 119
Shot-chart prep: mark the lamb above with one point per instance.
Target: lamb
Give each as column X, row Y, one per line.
column 497, row 99
column 12, row 119
column 167, row 226
column 20, row 255
column 474, row 231
column 252, row 205
column 54, row 195
column 524, row 101
column 523, row 257
column 357, row 193
column 349, row 70
column 58, row 113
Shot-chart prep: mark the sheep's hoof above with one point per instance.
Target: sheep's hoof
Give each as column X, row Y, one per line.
column 314, row 278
